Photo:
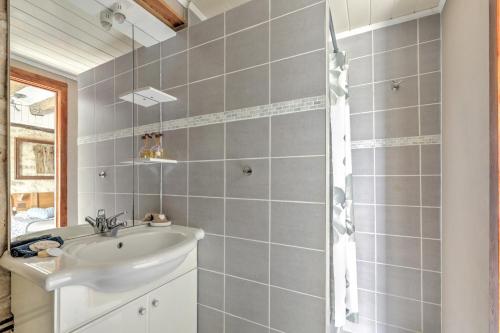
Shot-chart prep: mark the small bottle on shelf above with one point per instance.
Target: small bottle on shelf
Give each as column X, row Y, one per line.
column 144, row 153
column 158, row 151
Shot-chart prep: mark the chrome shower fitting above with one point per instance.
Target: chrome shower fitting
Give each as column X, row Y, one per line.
column 396, row 84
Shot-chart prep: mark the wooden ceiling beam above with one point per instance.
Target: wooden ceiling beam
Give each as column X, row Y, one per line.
column 162, row 11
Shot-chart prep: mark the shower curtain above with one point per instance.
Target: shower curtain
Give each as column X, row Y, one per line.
column 343, row 273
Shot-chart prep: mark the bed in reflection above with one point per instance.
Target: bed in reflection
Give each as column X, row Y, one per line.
column 32, row 212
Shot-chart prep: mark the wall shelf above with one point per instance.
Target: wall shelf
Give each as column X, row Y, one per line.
column 143, row 161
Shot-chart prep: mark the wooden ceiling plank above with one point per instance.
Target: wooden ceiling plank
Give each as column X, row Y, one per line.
column 47, row 29
column 93, row 20
column 403, row 7
column 426, row 4
column 45, row 60
column 65, row 49
column 340, row 15
column 359, row 13
column 162, row 11
column 74, row 33
column 81, row 33
column 381, row 10
column 92, row 28
column 90, row 52
column 44, row 55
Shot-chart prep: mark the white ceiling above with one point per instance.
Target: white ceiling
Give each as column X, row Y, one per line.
column 348, row 14
column 57, row 34
column 210, row 8
column 353, row 14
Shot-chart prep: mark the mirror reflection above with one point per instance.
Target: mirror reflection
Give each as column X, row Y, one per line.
column 78, row 93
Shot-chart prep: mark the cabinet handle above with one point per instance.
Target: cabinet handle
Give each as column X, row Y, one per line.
column 155, row 303
column 142, row 311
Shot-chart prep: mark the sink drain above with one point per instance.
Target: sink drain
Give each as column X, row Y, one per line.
column 119, row 245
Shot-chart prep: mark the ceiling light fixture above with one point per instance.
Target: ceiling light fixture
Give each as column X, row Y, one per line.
column 119, row 12
column 106, row 19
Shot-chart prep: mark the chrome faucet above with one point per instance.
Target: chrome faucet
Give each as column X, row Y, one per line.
column 107, row 226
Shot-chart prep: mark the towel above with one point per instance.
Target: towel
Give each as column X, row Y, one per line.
column 22, row 248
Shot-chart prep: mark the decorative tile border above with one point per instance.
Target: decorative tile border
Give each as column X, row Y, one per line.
column 397, row 142
column 261, row 111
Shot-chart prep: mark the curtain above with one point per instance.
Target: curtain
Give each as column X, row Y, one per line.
column 343, row 272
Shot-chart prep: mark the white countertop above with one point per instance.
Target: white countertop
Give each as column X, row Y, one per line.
column 55, row 272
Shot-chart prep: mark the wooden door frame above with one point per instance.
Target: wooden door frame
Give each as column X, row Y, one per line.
column 61, row 131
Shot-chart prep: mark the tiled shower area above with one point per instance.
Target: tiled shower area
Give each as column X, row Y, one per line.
column 249, row 130
column 396, row 137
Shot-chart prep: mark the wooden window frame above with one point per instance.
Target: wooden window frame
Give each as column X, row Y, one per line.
column 61, row 90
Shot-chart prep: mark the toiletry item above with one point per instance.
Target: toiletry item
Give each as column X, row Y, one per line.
column 157, row 220
column 52, row 252
column 157, row 149
column 22, row 248
column 43, row 245
column 160, row 218
column 160, row 224
column 43, row 254
column 144, row 151
column 55, row 252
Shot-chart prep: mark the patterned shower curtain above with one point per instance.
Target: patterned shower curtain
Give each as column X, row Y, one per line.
column 343, row 273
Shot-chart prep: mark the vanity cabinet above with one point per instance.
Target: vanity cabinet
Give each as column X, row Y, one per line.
column 172, row 308
column 168, row 309
column 165, row 305
column 129, row 318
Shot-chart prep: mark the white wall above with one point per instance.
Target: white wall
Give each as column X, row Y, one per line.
column 465, row 26
column 72, row 136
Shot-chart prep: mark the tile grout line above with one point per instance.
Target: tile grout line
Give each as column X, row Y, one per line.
column 395, row 78
column 263, row 283
column 420, row 179
column 161, row 131
column 400, row 236
column 114, row 140
column 94, row 179
column 397, row 296
column 271, row 243
column 269, row 168
column 397, row 266
column 224, row 171
column 398, row 48
column 392, row 205
column 238, row 317
column 213, row 197
column 390, row 109
column 374, row 179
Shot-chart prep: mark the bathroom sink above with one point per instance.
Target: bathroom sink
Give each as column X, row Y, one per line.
column 131, row 247
column 111, row 264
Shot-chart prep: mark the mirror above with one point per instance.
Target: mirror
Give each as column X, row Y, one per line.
column 85, row 83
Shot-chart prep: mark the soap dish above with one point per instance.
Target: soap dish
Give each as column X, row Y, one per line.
column 160, row 224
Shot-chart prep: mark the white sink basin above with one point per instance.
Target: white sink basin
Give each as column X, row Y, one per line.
column 112, row 264
column 125, row 248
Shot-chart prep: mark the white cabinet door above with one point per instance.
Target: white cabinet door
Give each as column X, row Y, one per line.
column 173, row 306
column 131, row 318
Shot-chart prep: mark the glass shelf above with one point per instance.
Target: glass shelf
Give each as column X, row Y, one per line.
column 140, row 161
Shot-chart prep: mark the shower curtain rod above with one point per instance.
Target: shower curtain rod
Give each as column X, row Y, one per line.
column 332, row 34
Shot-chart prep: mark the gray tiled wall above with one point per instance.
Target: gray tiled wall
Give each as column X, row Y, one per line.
column 262, row 265
column 397, row 187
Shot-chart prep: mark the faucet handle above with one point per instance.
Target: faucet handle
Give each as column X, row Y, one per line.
column 90, row 221
column 113, row 219
column 101, row 213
